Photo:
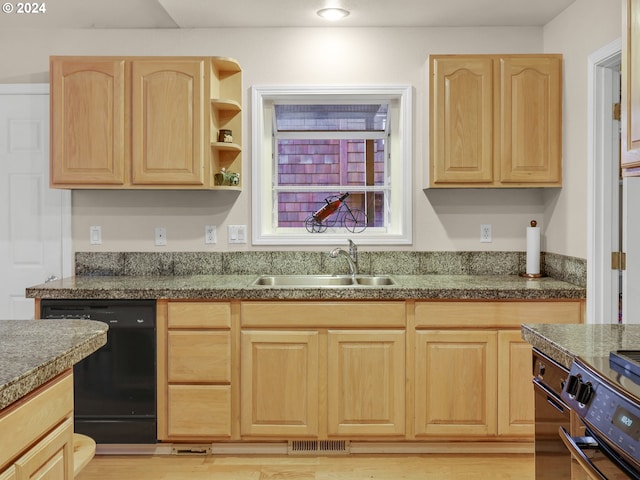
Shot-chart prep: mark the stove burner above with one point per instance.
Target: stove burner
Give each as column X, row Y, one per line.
column 626, row 362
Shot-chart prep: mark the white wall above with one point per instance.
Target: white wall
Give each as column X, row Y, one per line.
column 444, row 220
column 583, row 28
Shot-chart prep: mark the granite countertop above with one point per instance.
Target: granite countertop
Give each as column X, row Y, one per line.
column 485, row 287
column 32, row 352
column 563, row 343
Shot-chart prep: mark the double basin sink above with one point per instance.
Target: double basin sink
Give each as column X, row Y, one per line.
column 316, row 281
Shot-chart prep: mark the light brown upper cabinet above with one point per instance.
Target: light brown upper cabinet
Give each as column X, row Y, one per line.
column 630, row 112
column 144, row 122
column 495, row 121
column 88, row 142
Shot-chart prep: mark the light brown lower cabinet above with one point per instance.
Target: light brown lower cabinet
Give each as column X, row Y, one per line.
column 324, row 383
column 366, row 382
column 515, row 393
column 378, row 370
column 51, row 458
column 41, row 434
column 279, row 386
column 323, row 369
column 456, row 383
column 472, row 369
column 194, row 364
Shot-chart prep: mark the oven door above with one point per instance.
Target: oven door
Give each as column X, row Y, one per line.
column 552, row 461
column 597, row 461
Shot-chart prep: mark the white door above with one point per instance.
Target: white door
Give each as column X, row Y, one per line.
column 603, row 283
column 614, row 221
column 34, row 219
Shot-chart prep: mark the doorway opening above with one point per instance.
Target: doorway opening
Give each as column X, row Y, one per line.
column 604, row 286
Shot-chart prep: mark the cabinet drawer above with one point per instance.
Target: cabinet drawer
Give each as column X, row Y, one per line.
column 323, row 314
column 51, row 457
column 37, row 414
column 9, row 474
column 495, row 314
column 199, row 315
column 199, row 410
column 199, row 356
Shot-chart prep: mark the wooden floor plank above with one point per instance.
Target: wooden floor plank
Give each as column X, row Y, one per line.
column 351, row 467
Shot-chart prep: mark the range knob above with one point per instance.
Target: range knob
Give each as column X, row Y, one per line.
column 585, row 390
column 572, row 384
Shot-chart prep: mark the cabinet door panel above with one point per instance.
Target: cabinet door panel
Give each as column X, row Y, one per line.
column 455, row 383
column 366, row 382
column 530, row 119
column 168, row 122
column 51, row 458
column 515, row 391
column 53, row 402
column 88, row 107
column 199, row 411
column 279, row 383
column 462, row 120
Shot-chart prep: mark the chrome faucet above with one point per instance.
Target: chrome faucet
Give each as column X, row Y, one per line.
column 351, row 256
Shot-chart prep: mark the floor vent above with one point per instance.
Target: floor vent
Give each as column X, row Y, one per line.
column 312, row 447
column 191, row 450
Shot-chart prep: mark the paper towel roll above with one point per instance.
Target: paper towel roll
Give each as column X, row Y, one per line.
column 533, row 249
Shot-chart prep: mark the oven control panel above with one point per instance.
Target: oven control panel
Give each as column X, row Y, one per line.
column 604, row 409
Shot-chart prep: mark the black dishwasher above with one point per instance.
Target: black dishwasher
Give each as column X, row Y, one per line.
column 115, row 387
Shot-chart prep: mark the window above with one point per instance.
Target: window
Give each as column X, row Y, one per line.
column 316, row 145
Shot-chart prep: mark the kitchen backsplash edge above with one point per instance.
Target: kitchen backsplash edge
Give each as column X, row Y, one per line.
column 560, row 267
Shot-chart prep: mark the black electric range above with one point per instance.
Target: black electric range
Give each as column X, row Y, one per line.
column 604, row 391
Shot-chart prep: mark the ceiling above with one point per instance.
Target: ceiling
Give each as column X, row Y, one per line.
column 284, row 13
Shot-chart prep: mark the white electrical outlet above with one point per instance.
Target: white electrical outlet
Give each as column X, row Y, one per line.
column 485, row 233
column 209, row 234
column 95, row 235
column 161, row 236
column 237, row 233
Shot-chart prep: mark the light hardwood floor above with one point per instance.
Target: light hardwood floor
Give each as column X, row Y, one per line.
column 352, row 467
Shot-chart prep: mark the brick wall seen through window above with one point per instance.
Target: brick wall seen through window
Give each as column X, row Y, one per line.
column 341, row 165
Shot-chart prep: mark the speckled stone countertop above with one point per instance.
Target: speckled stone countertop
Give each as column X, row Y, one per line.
column 563, row 343
column 32, row 352
column 488, row 287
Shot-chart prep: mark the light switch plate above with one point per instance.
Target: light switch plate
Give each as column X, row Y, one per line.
column 237, row 233
column 95, row 235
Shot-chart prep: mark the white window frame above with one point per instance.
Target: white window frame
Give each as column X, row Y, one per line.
column 263, row 230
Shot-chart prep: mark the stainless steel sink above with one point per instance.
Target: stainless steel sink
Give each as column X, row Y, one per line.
column 374, row 280
column 315, row 281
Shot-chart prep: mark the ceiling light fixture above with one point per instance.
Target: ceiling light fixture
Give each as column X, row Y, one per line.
column 333, row 13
